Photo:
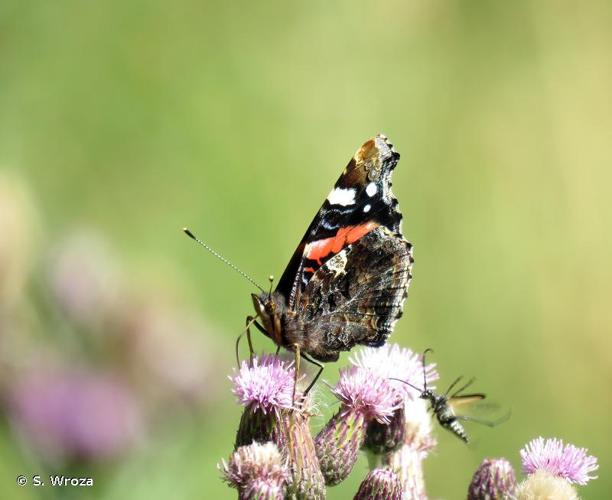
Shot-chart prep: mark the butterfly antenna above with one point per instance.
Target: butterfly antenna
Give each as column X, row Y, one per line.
column 271, row 280
column 425, row 369
column 221, row 258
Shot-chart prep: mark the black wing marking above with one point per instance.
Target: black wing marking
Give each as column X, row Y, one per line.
column 372, row 164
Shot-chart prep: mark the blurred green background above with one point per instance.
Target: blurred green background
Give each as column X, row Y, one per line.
column 121, row 122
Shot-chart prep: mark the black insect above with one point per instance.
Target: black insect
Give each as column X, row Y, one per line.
column 443, row 405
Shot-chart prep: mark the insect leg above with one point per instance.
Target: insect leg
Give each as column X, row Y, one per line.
column 249, row 321
column 297, row 371
column 459, row 391
column 453, row 385
column 316, row 377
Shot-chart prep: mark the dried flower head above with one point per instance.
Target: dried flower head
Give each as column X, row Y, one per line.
column 544, row 485
column 266, row 385
column 257, row 471
column 493, row 480
column 565, row 461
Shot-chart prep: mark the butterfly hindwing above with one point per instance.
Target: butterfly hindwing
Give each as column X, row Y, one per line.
column 357, row 295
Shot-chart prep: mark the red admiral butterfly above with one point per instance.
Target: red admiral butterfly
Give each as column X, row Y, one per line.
column 348, row 278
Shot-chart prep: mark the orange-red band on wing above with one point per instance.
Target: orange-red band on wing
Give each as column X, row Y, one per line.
column 317, row 250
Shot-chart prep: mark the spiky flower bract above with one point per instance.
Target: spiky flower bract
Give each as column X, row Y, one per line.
column 380, row 484
column 384, row 438
column 257, row 471
column 565, row 461
column 493, row 480
column 365, row 397
column 306, row 480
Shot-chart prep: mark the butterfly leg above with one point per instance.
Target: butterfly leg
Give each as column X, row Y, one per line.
column 296, row 372
column 249, row 321
column 316, row 377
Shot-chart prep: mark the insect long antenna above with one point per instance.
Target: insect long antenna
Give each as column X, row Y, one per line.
column 407, row 383
column 429, row 349
column 221, row 258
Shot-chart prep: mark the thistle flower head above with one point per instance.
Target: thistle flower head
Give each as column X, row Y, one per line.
column 565, row 461
column 365, row 392
column 494, row 479
column 380, row 484
column 391, row 361
column 257, row 468
column 267, row 385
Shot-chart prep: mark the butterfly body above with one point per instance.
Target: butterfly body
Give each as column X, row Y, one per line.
column 348, row 278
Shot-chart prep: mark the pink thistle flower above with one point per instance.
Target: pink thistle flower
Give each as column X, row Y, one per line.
column 565, row 461
column 365, row 392
column 74, row 414
column 391, row 361
column 267, row 385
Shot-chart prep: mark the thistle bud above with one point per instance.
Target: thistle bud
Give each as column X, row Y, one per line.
column 384, row 438
column 257, row 471
column 493, row 480
column 380, row 484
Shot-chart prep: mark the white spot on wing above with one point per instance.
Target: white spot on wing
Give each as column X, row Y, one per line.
column 371, row 189
column 337, row 264
column 366, row 209
column 340, row 196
